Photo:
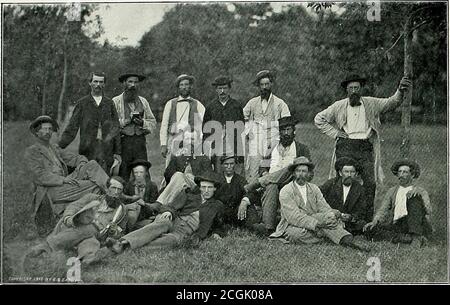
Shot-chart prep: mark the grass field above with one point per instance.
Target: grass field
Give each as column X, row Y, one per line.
column 241, row 256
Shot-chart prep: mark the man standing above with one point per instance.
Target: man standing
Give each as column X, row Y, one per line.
column 181, row 114
column 279, row 175
column 88, row 222
column 406, row 208
column 354, row 122
column 345, row 194
column 261, row 115
column 96, row 118
column 136, row 120
column 305, row 215
column 225, row 116
column 54, row 188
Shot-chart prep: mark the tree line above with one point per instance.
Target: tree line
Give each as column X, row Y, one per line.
column 47, row 57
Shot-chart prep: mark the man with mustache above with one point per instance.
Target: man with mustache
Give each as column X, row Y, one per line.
column 405, row 210
column 345, row 194
column 88, row 222
column 281, row 157
column 354, row 123
column 96, row 118
column 181, row 114
column 54, row 187
column 136, row 121
column 141, row 188
column 261, row 115
column 305, row 215
column 225, row 116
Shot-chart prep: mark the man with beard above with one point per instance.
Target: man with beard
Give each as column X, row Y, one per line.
column 225, row 116
column 405, row 210
column 345, row 194
column 181, row 114
column 87, row 223
column 305, row 215
column 354, row 122
column 96, row 118
column 54, row 187
column 142, row 188
column 136, row 120
column 282, row 156
column 261, row 115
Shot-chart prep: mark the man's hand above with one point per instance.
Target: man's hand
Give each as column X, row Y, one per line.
column 337, row 213
column 166, row 215
column 216, row 236
column 71, row 181
column 327, row 222
column 342, row 134
column 405, row 84
column 242, row 211
column 163, row 151
column 118, row 157
column 346, row 217
column 413, row 193
column 138, row 121
column 369, row 226
column 69, row 222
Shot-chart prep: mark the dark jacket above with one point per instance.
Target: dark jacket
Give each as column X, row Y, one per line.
column 86, row 117
column 184, row 203
column 231, row 112
column 231, row 194
column 211, row 219
column 355, row 204
column 150, row 194
column 199, row 165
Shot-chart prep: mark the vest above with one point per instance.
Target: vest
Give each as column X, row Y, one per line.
column 133, row 129
column 193, row 112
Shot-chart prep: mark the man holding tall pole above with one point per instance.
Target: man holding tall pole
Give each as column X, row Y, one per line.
column 354, row 123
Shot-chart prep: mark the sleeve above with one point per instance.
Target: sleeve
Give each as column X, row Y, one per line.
column 171, row 169
column 72, row 128
column 77, row 205
column 149, row 118
column 117, row 148
column 40, row 175
column 117, row 104
column 325, row 188
column 176, row 204
column 153, row 192
column 324, row 119
column 71, row 159
column 164, row 131
column 320, row 200
column 386, row 205
column 293, row 214
column 206, row 119
column 426, row 200
column 218, row 223
column 359, row 214
column 387, row 104
column 284, row 111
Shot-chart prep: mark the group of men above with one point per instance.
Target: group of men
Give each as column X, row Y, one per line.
column 226, row 166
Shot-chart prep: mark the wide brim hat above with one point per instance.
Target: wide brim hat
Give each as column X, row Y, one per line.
column 221, row 81
column 226, row 157
column 209, row 176
column 414, row 166
column 341, row 162
column 141, row 162
column 183, row 77
column 43, row 119
column 301, row 161
column 125, row 76
column 263, row 74
column 287, row 121
column 353, row 78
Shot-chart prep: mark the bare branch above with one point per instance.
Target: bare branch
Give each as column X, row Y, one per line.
column 395, row 43
column 420, row 25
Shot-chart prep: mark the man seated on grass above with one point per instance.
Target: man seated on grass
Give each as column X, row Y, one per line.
column 211, row 209
column 282, row 155
column 141, row 189
column 345, row 194
column 305, row 215
column 54, row 187
column 406, row 209
column 88, row 222
column 239, row 210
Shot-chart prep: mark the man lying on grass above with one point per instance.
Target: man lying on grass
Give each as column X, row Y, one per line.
column 305, row 215
column 405, row 213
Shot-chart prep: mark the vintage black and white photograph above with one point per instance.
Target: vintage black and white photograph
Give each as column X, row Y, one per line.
column 224, row 142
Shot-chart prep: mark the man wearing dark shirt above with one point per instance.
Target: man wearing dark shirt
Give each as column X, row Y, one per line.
column 223, row 125
column 96, row 117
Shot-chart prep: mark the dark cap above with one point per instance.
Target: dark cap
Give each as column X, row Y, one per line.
column 222, row 80
column 125, row 76
column 43, row 119
column 353, row 78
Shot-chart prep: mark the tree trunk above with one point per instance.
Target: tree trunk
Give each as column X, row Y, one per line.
column 407, row 99
column 44, row 97
column 63, row 87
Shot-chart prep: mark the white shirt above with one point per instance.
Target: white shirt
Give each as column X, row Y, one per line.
column 282, row 157
column 182, row 117
column 400, row 209
column 346, row 191
column 97, row 99
column 302, row 189
column 228, row 179
column 357, row 127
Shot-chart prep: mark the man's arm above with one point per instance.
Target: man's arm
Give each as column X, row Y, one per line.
column 388, row 104
column 324, row 120
column 163, row 133
column 171, row 169
column 71, row 159
column 115, row 131
column 72, row 128
column 39, row 173
column 149, row 118
column 292, row 213
column 76, row 206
